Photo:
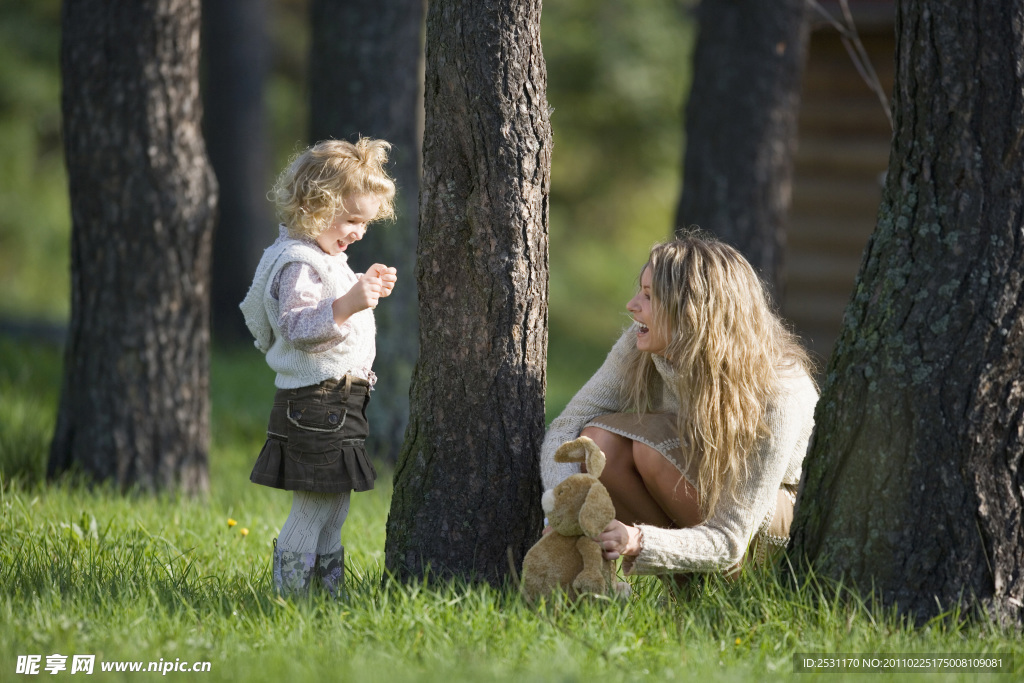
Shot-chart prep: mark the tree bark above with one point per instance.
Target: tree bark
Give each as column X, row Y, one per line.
column 741, row 126
column 237, row 60
column 467, row 487
column 914, row 486
column 366, row 73
column 134, row 405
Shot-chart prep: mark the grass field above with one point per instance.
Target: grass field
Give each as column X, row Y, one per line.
column 85, row 571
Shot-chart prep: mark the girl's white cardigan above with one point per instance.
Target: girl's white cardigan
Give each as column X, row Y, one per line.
column 296, row 368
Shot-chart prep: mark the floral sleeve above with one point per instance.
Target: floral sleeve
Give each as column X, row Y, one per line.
column 307, row 319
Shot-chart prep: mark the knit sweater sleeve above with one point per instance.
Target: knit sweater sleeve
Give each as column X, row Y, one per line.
column 600, row 395
column 307, row 317
column 722, row 540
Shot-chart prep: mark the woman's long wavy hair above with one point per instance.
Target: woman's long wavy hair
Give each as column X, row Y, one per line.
column 728, row 347
column 313, row 187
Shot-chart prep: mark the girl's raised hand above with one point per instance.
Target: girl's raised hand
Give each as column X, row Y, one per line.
column 364, row 294
column 388, row 277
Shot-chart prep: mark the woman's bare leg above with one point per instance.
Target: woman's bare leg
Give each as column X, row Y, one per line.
column 633, row 501
column 646, row 488
column 674, row 495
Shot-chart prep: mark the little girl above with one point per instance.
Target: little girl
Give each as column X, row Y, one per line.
column 312, row 317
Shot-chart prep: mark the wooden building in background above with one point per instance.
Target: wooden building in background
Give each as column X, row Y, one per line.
column 842, row 156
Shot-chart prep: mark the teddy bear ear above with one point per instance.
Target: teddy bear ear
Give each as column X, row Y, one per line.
column 573, row 451
column 597, row 511
column 595, row 459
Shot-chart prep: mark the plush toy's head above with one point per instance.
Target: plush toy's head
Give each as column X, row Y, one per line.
column 566, row 505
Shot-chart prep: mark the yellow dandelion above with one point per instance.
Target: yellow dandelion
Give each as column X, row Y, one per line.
column 738, row 641
column 244, row 531
column 231, row 522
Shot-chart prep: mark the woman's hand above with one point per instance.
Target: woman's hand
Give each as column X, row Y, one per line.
column 618, row 539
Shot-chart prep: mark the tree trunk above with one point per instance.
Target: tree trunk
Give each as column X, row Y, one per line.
column 741, row 126
column 134, row 405
column 914, row 486
column 366, row 71
column 467, row 488
column 236, row 55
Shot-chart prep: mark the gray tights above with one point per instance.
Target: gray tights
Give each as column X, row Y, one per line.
column 314, row 524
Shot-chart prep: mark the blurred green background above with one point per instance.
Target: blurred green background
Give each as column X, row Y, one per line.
column 617, row 77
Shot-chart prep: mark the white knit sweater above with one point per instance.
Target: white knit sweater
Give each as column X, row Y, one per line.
column 721, row 541
column 296, row 367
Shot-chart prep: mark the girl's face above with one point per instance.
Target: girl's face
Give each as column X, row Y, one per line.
column 349, row 224
column 648, row 338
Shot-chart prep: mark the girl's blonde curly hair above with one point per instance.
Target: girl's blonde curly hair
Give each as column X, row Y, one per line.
column 729, row 349
column 313, row 187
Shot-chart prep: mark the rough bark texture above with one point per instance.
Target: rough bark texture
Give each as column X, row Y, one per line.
column 134, row 405
column 467, row 488
column 236, row 56
column 366, row 75
column 914, row 484
column 741, row 125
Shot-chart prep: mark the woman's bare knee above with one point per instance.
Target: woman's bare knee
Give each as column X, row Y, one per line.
column 650, row 462
column 675, row 495
column 618, row 450
column 633, row 504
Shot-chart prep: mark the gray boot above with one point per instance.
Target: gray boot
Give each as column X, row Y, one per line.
column 331, row 570
column 293, row 572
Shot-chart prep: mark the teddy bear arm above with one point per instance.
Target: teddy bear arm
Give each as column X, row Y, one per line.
column 594, row 577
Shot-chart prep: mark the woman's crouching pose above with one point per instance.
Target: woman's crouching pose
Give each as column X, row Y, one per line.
column 704, row 409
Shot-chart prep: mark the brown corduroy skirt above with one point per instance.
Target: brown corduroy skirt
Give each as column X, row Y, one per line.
column 316, row 439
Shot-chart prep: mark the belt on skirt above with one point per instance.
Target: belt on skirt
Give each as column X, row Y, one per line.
column 345, row 386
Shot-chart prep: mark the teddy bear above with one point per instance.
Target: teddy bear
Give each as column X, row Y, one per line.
column 578, row 509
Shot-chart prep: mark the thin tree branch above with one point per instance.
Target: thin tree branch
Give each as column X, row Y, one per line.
column 858, row 54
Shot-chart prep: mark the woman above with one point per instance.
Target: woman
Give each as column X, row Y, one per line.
column 704, row 409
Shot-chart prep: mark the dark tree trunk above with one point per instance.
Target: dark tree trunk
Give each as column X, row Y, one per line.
column 915, row 485
column 134, row 405
column 236, row 56
column 741, row 126
column 366, row 71
column 467, row 488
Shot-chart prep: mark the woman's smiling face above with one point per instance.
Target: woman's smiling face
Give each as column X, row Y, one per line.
column 648, row 337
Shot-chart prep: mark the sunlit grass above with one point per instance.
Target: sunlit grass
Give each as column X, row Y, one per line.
column 139, row 578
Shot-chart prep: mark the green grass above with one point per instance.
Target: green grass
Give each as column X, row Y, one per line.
column 84, row 570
